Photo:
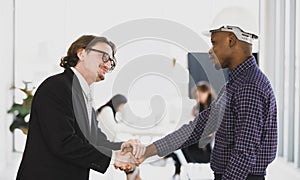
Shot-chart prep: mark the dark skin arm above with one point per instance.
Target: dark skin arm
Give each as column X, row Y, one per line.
column 150, row 151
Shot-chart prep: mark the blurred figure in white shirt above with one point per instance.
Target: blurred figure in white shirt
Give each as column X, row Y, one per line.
column 106, row 115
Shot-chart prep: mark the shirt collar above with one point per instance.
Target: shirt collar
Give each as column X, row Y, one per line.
column 83, row 83
column 240, row 68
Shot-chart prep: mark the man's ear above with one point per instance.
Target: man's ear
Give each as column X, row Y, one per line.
column 80, row 53
column 232, row 40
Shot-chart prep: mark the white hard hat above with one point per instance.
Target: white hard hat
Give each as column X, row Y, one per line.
column 237, row 20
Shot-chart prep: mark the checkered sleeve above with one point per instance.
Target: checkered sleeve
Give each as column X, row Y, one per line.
column 186, row 135
column 250, row 102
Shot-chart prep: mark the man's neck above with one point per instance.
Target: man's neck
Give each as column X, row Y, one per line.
column 236, row 61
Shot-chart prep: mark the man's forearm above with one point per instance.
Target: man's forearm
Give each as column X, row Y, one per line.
column 150, row 151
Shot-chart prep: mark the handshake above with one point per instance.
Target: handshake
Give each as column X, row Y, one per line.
column 132, row 154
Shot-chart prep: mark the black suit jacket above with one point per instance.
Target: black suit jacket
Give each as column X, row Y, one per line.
column 60, row 144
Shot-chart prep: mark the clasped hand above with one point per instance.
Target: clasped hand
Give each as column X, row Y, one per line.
column 128, row 157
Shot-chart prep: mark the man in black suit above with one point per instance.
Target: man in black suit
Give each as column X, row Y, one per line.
column 63, row 141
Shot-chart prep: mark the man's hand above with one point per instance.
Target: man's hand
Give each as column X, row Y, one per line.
column 125, row 161
column 138, row 149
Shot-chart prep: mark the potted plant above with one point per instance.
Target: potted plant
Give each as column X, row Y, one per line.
column 21, row 110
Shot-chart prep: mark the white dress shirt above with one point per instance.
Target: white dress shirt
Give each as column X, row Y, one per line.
column 87, row 94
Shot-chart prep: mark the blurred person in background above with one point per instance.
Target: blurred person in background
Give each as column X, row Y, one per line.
column 106, row 115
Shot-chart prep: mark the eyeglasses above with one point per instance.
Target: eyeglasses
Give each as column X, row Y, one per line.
column 105, row 58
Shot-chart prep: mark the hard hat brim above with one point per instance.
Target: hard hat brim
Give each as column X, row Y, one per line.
column 239, row 33
column 206, row 33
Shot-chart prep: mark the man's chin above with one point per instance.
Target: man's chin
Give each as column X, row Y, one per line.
column 100, row 78
column 216, row 64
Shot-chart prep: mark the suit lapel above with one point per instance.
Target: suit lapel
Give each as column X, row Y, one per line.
column 79, row 106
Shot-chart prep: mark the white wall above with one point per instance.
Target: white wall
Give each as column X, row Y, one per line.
column 6, row 79
column 45, row 32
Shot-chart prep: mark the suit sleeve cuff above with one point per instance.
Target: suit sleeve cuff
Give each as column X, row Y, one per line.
column 113, row 156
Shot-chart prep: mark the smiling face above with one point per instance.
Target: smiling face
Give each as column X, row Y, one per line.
column 91, row 65
column 220, row 53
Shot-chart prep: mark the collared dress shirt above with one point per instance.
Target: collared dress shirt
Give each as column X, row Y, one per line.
column 87, row 94
column 244, row 117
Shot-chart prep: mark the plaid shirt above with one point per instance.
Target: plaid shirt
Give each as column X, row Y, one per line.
column 244, row 117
